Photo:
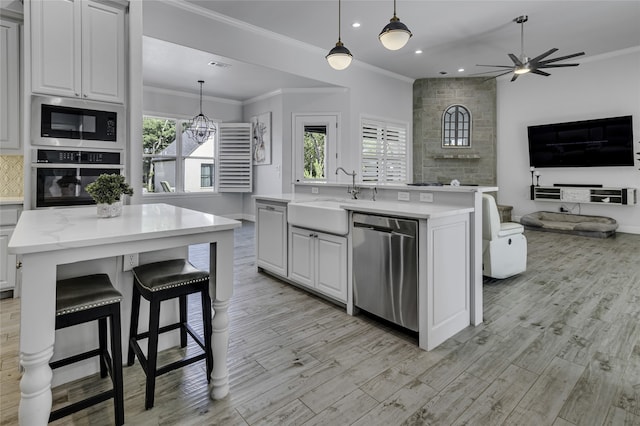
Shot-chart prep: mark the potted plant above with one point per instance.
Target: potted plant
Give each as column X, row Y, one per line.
column 107, row 191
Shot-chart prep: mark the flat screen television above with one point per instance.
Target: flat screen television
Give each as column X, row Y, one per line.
column 591, row 143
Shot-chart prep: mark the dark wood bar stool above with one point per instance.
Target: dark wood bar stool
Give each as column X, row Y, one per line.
column 161, row 281
column 92, row 298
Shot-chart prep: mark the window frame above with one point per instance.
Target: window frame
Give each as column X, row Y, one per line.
column 299, row 122
column 179, row 184
column 456, row 129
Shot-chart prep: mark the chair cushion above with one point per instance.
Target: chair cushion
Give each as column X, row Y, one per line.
column 85, row 292
column 510, row 228
column 167, row 274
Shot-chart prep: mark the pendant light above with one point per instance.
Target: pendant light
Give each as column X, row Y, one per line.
column 395, row 34
column 200, row 127
column 339, row 57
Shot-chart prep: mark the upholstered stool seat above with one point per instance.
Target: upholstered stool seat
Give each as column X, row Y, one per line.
column 84, row 299
column 156, row 282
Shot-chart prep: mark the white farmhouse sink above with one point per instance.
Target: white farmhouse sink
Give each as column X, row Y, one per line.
column 321, row 215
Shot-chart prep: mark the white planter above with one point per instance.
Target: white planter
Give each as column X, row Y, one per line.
column 109, row 210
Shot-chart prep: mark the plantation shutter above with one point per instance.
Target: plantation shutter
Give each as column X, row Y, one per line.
column 384, row 152
column 234, row 171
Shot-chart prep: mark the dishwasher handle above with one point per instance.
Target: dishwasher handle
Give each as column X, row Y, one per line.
column 382, row 229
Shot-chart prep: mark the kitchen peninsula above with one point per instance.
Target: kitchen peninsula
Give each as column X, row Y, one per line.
column 46, row 239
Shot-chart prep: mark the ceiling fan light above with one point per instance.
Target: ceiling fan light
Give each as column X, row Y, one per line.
column 339, row 57
column 395, row 34
column 522, row 70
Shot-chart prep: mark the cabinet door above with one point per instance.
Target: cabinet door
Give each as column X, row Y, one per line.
column 7, row 261
column 271, row 238
column 331, row 266
column 103, row 68
column 56, row 47
column 9, row 86
column 302, row 256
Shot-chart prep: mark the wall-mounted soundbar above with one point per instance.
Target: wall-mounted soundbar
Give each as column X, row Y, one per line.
column 581, row 194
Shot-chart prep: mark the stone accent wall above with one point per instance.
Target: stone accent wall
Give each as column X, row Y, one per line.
column 431, row 96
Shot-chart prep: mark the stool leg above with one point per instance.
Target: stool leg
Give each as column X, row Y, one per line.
column 152, row 352
column 207, row 330
column 183, row 320
column 102, row 344
column 116, row 368
column 133, row 328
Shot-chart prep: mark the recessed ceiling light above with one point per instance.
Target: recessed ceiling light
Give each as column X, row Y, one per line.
column 418, row 51
column 219, row 64
column 460, row 69
column 356, row 25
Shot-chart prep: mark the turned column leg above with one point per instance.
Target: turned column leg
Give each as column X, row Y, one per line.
column 220, row 343
column 35, row 388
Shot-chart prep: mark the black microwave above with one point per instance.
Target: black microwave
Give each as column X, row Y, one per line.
column 76, row 123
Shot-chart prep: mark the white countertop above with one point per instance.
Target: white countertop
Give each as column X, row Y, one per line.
column 404, row 209
column 52, row 229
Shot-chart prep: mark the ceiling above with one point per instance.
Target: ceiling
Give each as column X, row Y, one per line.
column 451, row 34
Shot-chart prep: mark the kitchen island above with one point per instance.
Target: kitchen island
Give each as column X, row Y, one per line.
column 46, row 239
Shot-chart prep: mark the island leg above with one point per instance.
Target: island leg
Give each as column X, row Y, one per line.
column 37, row 335
column 221, row 272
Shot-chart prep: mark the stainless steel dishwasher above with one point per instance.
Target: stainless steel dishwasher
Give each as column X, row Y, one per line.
column 385, row 270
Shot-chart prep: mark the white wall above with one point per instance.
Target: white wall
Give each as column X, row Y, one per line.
column 601, row 87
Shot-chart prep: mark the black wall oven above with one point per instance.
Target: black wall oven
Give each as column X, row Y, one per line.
column 59, row 177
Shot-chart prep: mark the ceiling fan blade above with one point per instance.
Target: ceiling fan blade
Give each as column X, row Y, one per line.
column 556, row 65
column 515, row 59
column 496, row 66
column 493, row 71
column 536, row 71
column 561, row 58
column 515, row 76
column 544, row 55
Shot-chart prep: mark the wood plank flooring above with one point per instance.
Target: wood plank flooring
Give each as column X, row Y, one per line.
column 560, row 345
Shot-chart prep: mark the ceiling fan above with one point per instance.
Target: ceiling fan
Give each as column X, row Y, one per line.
column 523, row 64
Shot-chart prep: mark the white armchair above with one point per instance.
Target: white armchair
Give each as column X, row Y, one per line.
column 504, row 246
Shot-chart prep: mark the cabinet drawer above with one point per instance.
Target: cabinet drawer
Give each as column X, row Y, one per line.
column 9, row 216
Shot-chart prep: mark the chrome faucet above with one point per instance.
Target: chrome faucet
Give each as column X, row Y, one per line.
column 354, row 191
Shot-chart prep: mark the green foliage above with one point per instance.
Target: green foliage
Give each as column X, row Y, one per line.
column 108, row 188
column 157, row 134
column 314, row 155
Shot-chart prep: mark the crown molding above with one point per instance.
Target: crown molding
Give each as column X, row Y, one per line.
column 172, row 92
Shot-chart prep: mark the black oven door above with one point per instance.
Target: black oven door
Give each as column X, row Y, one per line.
column 65, row 186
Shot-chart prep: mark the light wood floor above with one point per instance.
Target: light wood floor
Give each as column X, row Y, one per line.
column 560, row 345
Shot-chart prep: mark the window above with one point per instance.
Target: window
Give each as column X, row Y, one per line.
column 385, row 156
column 315, row 147
column 456, row 127
column 172, row 161
column 206, row 175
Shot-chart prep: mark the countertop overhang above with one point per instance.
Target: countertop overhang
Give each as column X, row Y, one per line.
column 53, row 229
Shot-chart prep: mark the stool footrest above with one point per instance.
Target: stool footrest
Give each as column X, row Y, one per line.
column 177, row 364
column 75, row 358
column 80, row 405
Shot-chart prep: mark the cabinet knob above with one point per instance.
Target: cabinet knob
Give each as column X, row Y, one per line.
column 77, row 95
column 18, row 265
column 85, row 95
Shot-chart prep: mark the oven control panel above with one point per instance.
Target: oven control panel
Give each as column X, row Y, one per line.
column 57, row 156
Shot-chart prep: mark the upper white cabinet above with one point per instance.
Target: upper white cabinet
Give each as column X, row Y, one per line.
column 9, row 85
column 78, row 49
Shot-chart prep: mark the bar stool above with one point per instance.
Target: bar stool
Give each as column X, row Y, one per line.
column 84, row 299
column 161, row 281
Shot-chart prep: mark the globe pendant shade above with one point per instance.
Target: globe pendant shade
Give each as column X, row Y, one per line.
column 394, row 35
column 339, row 57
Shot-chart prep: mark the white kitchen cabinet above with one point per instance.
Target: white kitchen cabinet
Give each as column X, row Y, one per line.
column 78, row 49
column 9, row 85
column 8, row 218
column 271, row 237
column 319, row 261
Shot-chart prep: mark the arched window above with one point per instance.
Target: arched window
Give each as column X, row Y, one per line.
column 456, row 127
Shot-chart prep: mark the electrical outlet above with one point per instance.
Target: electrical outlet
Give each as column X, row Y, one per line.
column 426, row 197
column 129, row 261
column 404, row 196
column 314, row 190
